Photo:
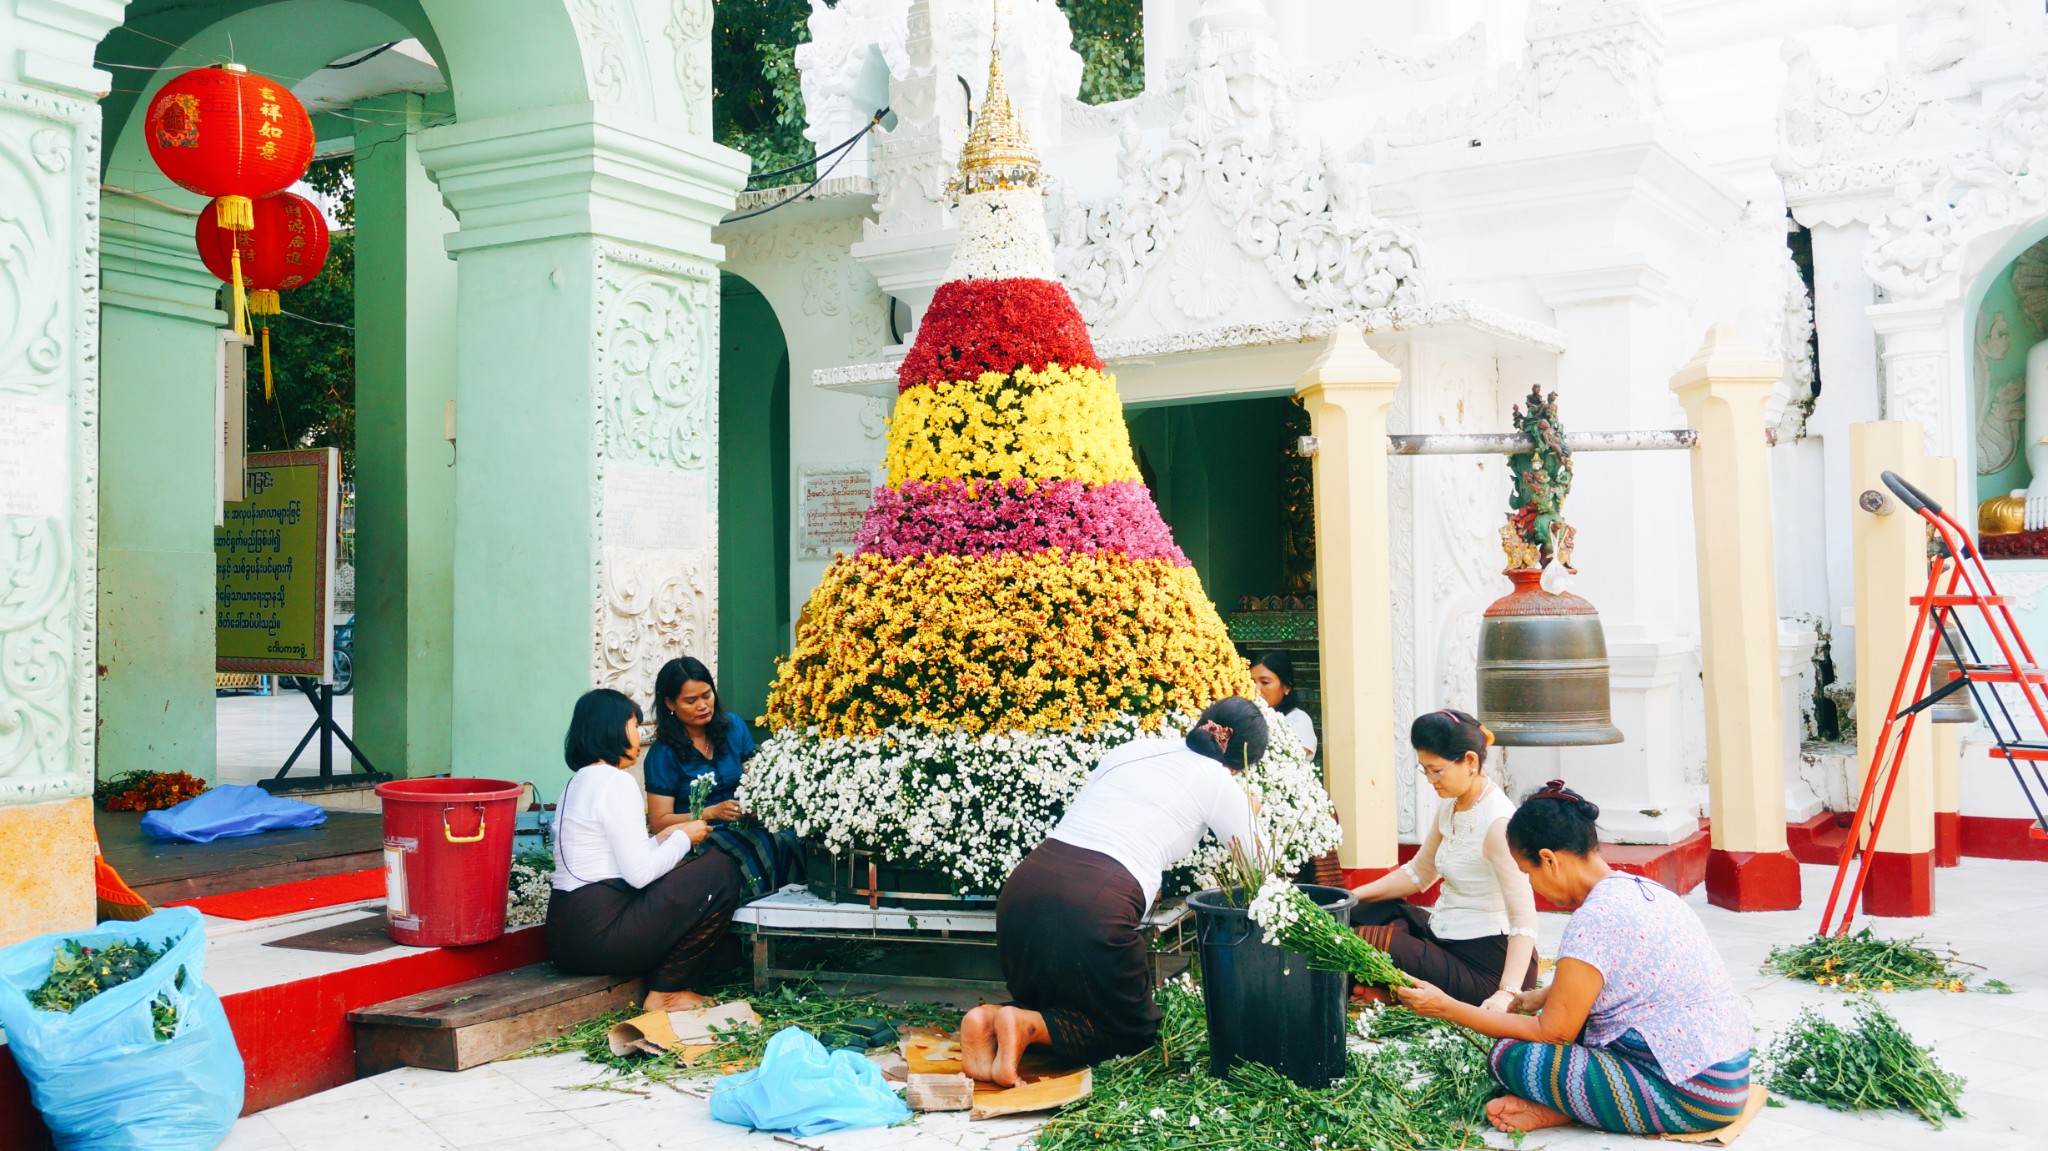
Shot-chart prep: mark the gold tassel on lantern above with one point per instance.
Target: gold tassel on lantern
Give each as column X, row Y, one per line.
column 264, row 302
column 241, row 300
column 235, row 213
column 268, row 390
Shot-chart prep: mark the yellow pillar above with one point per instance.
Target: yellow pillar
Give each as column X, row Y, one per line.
column 1891, row 568
column 46, row 852
column 1724, row 389
column 1347, row 392
column 1946, row 739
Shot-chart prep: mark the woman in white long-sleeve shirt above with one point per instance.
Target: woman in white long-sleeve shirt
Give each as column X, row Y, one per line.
column 625, row 902
column 1067, row 921
column 1479, row 943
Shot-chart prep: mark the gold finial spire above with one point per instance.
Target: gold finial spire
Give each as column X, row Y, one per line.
column 998, row 152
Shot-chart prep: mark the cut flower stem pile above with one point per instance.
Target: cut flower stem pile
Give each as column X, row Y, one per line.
column 1864, row 962
column 1871, row 1065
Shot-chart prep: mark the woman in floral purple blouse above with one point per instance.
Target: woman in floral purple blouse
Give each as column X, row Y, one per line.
column 1639, row 1031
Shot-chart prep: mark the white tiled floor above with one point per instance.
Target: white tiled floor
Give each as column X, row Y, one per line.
column 254, row 734
column 1990, row 911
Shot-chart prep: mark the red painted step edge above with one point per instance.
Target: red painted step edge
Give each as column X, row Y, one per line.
column 1679, row 866
column 295, row 1038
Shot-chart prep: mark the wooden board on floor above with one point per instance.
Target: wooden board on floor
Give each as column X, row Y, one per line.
column 161, row 870
column 1049, row 1081
column 468, row 1024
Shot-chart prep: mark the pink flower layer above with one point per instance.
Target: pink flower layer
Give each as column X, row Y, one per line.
column 990, row 517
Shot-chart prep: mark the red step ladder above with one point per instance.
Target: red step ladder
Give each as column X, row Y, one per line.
column 1957, row 582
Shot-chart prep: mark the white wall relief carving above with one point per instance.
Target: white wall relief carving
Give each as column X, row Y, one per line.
column 49, row 341
column 656, row 583
column 614, row 57
column 689, row 34
column 2002, row 411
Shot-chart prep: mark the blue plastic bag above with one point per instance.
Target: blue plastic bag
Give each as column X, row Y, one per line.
column 229, row 810
column 805, row 1090
column 100, row 1076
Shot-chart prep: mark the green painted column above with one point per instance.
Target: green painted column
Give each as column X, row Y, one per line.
column 50, row 405
column 159, row 371
column 586, row 416
column 405, row 474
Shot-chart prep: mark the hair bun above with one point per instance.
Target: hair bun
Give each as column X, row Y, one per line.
column 1556, row 789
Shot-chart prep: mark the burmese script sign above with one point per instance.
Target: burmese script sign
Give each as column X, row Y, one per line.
column 273, row 565
column 831, row 503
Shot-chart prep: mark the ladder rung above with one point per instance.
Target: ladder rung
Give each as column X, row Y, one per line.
column 2037, row 752
column 1999, row 673
column 1959, row 601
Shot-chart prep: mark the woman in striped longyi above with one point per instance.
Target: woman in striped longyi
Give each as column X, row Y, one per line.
column 1639, row 1031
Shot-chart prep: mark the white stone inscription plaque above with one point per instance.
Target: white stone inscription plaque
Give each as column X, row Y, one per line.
column 652, row 509
column 831, row 504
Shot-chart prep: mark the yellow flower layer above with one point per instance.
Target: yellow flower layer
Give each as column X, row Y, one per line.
column 1059, row 424
column 1051, row 641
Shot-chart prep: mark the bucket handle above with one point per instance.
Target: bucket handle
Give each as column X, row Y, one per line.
column 449, row 832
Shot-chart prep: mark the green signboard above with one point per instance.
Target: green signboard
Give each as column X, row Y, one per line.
column 273, row 563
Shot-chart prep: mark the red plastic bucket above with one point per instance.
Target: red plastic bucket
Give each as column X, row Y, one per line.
column 447, row 859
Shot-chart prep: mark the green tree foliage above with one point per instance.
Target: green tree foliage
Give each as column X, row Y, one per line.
column 313, row 344
column 759, row 106
column 1110, row 36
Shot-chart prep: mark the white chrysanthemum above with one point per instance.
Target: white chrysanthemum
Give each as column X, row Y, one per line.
column 1003, row 237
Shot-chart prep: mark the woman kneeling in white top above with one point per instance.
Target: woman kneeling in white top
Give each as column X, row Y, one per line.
column 1480, row 944
column 621, row 904
column 1068, row 918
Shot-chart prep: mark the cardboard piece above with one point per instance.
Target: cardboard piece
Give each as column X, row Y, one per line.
column 686, row 1032
column 953, row 1092
column 1048, row 1082
column 1723, row 1136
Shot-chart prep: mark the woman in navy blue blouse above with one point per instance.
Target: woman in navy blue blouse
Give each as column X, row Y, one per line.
column 696, row 737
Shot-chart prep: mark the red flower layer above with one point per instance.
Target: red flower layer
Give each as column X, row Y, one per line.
column 998, row 518
column 976, row 326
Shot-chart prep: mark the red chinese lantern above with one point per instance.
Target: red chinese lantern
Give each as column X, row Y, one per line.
column 285, row 247
column 230, row 134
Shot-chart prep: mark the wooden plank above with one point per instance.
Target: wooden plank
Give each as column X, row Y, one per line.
column 488, row 999
column 381, row 1047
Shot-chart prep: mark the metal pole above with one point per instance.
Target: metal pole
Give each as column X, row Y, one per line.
column 1508, row 443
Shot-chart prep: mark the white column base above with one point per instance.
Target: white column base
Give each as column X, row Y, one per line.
column 1639, row 783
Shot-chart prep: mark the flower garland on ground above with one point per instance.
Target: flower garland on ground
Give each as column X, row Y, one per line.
column 147, row 790
column 973, row 805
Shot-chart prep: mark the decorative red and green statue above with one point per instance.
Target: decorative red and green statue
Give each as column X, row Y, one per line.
column 1536, row 535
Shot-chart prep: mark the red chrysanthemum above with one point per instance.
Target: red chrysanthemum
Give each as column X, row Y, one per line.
column 976, row 326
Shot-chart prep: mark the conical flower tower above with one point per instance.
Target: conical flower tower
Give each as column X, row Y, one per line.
column 1015, row 606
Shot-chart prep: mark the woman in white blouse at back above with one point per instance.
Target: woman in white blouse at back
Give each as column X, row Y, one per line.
column 1479, row 945
column 626, row 902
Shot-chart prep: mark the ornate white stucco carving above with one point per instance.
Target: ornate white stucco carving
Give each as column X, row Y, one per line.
column 1372, row 66
column 835, row 285
column 1590, row 63
column 49, row 346
column 656, row 343
column 689, row 34
column 1236, row 161
column 2001, row 413
column 614, row 53
column 1790, row 340
column 912, row 161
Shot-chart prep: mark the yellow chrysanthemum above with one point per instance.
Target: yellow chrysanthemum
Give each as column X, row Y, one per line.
column 1059, row 424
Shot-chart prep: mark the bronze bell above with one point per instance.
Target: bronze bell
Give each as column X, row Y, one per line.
column 1955, row 707
column 1543, row 669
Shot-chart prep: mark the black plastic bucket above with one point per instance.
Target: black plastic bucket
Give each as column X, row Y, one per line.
column 1265, row 1005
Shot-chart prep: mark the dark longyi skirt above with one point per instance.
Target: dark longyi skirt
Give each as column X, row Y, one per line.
column 1067, row 932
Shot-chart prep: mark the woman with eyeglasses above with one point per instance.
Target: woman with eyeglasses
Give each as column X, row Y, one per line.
column 1479, row 943
column 626, row 902
column 1640, row 1031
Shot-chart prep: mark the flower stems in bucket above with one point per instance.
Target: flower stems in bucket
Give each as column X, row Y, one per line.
column 700, row 791
column 1292, row 920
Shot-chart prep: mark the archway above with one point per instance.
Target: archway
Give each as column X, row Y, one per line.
column 754, row 612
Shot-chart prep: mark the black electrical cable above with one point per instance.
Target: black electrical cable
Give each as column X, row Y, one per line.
column 807, row 188
column 366, row 57
column 842, row 146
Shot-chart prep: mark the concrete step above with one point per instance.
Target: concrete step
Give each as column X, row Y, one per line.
column 463, row 1025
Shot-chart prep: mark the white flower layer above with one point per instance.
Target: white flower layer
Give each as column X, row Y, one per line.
column 1003, row 237
column 973, row 806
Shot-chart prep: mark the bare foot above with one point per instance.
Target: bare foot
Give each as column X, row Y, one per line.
column 674, row 1001
column 978, row 1042
column 1511, row 1113
column 1016, row 1030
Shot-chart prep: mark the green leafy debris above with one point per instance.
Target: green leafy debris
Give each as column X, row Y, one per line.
column 1864, row 962
column 78, row 973
column 1871, row 1065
